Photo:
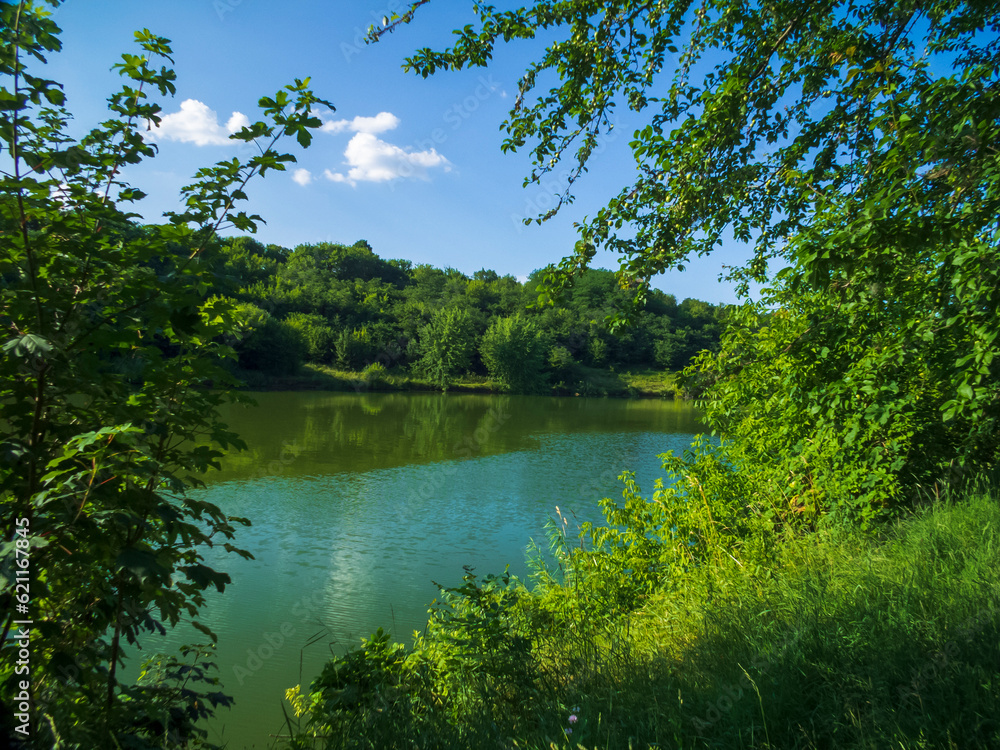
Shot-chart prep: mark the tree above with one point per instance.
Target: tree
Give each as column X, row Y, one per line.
column 110, row 343
column 767, row 110
column 244, row 263
column 315, row 330
column 855, row 146
column 514, row 354
column 272, row 346
column 447, row 345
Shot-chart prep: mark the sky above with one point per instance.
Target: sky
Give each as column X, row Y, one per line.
column 412, row 165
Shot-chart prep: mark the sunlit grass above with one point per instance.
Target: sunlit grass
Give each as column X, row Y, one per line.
column 636, row 383
column 833, row 639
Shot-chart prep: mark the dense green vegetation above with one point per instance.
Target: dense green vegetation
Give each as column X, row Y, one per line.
column 344, row 307
column 853, row 145
column 776, row 590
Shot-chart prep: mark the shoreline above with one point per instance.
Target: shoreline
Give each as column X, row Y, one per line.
column 592, row 382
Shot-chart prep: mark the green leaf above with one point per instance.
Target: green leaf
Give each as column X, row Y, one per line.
column 28, row 345
column 144, row 563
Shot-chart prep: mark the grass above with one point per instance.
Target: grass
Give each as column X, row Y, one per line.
column 829, row 640
column 325, row 378
column 651, row 383
column 845, row 641
column 646, row 383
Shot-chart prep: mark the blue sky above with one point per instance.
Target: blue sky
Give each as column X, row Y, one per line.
column 411, row 165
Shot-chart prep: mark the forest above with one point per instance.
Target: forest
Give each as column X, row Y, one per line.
column 343, row 305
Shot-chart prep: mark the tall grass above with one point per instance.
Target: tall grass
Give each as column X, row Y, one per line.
column 845, row 640
column 833, row 639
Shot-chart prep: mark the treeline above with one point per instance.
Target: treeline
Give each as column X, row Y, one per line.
column 345, row 307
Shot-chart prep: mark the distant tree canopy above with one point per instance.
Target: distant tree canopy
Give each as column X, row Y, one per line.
column 346, row 306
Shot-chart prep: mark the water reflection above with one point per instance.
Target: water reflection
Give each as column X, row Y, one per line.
column 328, row 433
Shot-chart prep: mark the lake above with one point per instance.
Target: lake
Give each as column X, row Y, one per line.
column 361, row 502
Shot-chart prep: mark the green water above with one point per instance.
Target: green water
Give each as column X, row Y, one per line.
column 360, row 502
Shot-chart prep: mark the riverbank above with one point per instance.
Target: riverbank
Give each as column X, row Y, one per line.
column 828, row 639
column 586, row 381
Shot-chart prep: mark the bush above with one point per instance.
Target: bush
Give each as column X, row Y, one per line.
column 562, row 365
column 353, row 348
column 374, row 374
column 513, row 352
column 317, row 334
column 275, row 347
column 447, row 344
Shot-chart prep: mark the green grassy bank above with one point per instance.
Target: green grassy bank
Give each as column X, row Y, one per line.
column 587, row 381
column 627, row 639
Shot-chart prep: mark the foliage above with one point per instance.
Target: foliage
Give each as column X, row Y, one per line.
column 360, row 695
column 458, row 687
column 276, row 347
column 447, row 344
column 317, row 334
column 479, row 647
column 514, row 354
column 382, row 313
column 242, row 264
column 854, row 145
column 352, row 348
column 748, row 115
column 562, row 365
column 880, row 372
column 374, row 374
column 330, row 280
column 110, row 341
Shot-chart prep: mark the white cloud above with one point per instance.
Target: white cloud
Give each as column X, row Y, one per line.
column 196, row 123
column 380, row 123
column 302, row 177
column 373, row 160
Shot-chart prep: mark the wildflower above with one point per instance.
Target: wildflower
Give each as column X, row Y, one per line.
column 572, row 718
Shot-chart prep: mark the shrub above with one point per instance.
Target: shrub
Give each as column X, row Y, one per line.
column 317, row 334
column 447, row 344
column 275, row 347
column 513, row 352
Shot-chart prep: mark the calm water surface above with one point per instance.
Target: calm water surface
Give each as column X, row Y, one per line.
column 361, row 502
